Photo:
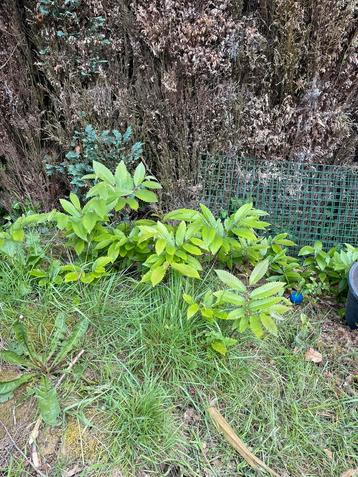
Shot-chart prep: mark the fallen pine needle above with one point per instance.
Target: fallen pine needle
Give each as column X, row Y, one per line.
column 237, row 443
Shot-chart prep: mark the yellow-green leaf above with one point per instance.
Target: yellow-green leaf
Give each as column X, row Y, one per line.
column 69, row 208
column 72, row 277
column 146, row 195
column 102, row 172
column 230, row 280
column 215, row 245
column 133, row 203
column 18, row 235
column 269, row 324
column 185, row 270
column 267, row 290
column 160, row 245
column 157, row 275
column 75, row 201
column 243, row 324
column 192, row 249
column 121, row 203
column 188, row 299
column 258, row 272
column 255, row 326
column 180, row 233
column 225, row 296
column 79, row 230
column 219, row 347
column 139, row 174
column 89, row 221
column 192, row 310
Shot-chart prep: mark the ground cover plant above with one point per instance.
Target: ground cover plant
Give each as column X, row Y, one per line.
column 170, row 313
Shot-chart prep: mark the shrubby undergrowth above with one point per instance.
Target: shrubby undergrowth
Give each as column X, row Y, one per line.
column 114, row 228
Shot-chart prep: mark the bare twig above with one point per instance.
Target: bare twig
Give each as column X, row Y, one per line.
column 10, row 55
column 70, row 366
column 21, row 452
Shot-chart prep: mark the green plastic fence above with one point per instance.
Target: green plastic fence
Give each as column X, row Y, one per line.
column 310, row 201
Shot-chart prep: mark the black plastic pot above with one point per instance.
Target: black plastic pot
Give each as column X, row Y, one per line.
column 352, row 300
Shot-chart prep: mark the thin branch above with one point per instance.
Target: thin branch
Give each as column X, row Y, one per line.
column 10, row 56
column 21, row 452
column 70, row 366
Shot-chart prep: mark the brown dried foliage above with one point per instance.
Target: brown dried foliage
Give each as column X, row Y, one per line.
column 272, row 79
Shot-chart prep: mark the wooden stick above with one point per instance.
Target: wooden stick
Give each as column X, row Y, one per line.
column 237, row 443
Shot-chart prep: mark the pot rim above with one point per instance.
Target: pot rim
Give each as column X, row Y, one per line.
column 353, row 289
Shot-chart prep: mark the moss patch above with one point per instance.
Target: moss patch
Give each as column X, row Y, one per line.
column 80, row 443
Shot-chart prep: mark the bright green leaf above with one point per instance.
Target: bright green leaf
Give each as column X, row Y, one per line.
column 102, row 172
column 157, row 275
column 188, row 299
column 192, row 310
column 160, row 245
column 18, row 235
column 219, row 347
column 146, row 196
column 225, row 296
column 255, row 326
column 69, row 208
column 72, row 277
column 192, row 249
column 307, row 250
column 89, row 221
column 269, row 324
column 230, row 280
column 180, row 233
column 151, row 185
column 75, row 201
column 258, row 272
column 185, row 270
column 133, row 203
column 267, row 290
column 139, row 174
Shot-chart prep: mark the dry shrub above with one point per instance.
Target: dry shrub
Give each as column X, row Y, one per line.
column 271, row 79
column 21, row 169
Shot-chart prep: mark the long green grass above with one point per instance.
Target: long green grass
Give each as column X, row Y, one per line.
column 146, row 379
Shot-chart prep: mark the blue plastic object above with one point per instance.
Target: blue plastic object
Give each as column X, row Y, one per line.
column 352, row 300
column 296, row 297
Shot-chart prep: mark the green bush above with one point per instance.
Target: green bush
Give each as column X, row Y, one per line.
column 103, row 232
column 245, row 306
column 90, row 146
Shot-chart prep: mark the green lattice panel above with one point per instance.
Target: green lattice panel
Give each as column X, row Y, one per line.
column 310, row 201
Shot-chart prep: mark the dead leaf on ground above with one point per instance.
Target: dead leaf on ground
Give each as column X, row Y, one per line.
column 313, row 355
column 191, row 416
column 71, row 473
column 237, row 443
column 328, row 453
column 350, row 473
